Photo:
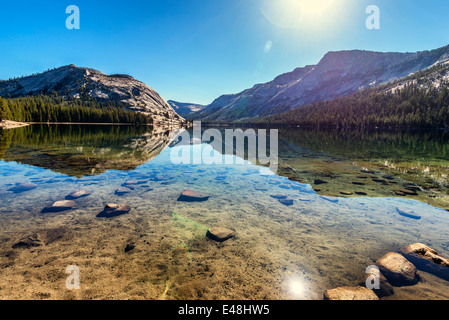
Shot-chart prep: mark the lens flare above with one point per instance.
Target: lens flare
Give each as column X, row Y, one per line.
column 293, row 14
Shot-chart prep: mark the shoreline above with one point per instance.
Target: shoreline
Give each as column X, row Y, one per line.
column 7, row 124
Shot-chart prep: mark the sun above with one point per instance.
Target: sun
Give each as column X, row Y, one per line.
column 292, row 14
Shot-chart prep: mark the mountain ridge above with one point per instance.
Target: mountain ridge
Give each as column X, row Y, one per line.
column 338, row 73
column 72, row 82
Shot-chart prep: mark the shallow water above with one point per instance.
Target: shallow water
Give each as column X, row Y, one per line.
column 279, row 252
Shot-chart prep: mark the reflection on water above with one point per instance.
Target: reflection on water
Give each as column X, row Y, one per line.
column 413, row 164
column 159, row 250
column 82, row 150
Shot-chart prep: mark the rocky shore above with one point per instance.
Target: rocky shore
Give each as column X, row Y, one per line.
column 394, row 270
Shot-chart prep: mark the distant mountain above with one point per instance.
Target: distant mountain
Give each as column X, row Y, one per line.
column 75, row 82
column 420, row 100
column 337, row 74
column 184, row 109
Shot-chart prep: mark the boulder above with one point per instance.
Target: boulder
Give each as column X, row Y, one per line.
column 398, row 270
column 350, row 293
column 78, row 194
column 22, row 187
column 220, row 234
column 407, row 213
column 427, row 259
column 192, row 196
column 59, row 206
column 114, row 210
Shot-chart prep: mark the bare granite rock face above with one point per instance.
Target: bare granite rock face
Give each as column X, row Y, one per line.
column 75, row 82
column 350, row 293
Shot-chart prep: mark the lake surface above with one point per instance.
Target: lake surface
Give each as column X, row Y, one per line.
column 345, row 186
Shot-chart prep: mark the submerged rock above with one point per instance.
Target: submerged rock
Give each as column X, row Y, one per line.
column 122, row 191
column 427, row 259
column 286, row 202
column 220, row 234
column 319, row 181
column 59, row 206
column 129, row 247
column 330, row 199
column 408, row 213
column 22, row 187
column 408, row 192
column 113, row 210
column 350, row 293
column 260, row 188
column 131, row 182
column 192, row 196
column 32, row 241
column 279, row 196
column 78, row 194
column 398, row 270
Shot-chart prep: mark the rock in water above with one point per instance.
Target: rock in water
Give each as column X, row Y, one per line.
column 286, row 202
column 59, row 206
column 407, row 213
column 398, row 270
column 279, row 196
column 122, row 191
column 427, row 259
column 192, row 196
column 330, row 199
column 350, row 293
column 220, row 234
column 32, row 241
column 129, row 247
column 22, row 187
column 114, row 210
column 78, row 194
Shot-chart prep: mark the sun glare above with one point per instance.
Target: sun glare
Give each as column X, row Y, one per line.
column 305, row 14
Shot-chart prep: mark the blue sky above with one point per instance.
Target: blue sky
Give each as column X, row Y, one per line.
column 196, row 50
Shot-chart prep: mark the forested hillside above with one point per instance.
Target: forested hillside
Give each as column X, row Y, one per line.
column 412, row 105
column 53, row 108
